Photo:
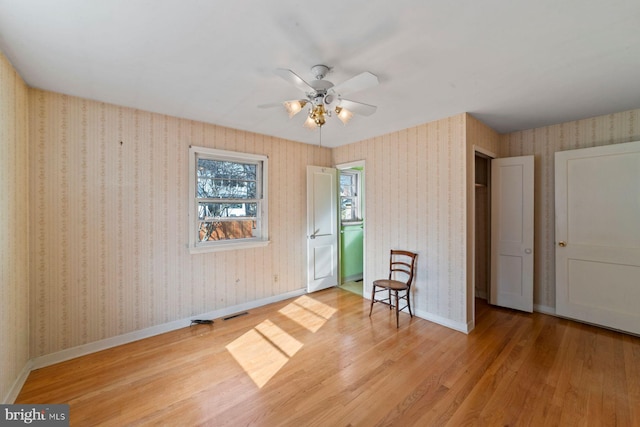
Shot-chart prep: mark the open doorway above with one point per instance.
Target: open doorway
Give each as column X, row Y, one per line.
column 482, row 250
column 352, row 223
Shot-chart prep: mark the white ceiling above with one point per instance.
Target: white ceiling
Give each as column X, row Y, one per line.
column 514, row 64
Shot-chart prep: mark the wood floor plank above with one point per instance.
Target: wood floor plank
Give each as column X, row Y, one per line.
column 487, row 396
column 320, row 360
column 631, row 396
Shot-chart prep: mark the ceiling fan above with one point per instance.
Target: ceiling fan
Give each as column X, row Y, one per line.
column 323, row 97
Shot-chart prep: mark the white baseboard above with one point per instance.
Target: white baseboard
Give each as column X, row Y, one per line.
column 82, row 350
column 18, row 384
column 451, row 324
column 544, row 309
column 468, row 327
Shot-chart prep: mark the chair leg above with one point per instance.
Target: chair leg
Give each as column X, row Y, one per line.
column 409, row 304
column 373, row 294
column 390, row 301
column 397, row 311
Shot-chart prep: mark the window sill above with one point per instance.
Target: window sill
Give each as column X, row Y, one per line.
column 229, row 246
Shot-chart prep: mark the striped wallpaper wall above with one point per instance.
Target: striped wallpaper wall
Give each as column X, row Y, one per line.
column 14, row 228
column 108, row 198
column 543, row 143
column 415, row 186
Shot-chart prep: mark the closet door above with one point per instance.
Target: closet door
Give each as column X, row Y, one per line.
column 512, row 233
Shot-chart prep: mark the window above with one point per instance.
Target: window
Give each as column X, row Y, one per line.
column 350, row 195
column 228, row 200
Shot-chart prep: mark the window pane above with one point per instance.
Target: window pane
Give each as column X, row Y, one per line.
column 347, row 185
column 226, row 210
column 226, row 189
column 226, row 180
column 225, row 230
column 346, row 180
column 346, row 209
column 347, row 215
column 226, row 169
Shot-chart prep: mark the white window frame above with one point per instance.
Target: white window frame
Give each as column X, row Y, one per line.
column 357, row 199
column 262, row 239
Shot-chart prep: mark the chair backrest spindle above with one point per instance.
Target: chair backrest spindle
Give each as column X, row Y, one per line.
column 402, row 263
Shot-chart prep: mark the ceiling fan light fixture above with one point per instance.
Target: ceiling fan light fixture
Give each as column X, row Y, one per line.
column 317, row 117
column 344, row 115
column 294, row 107
column 310, row 123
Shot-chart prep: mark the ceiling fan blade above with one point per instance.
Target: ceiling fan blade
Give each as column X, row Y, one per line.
column 294, row 79
column 356, row 83
column 358, row 107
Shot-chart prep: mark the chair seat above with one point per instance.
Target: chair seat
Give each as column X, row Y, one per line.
column 391, row 284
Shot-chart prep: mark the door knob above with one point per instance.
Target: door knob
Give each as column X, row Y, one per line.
column 562, row 244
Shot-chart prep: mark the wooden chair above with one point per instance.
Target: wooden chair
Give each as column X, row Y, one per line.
column 401, row 272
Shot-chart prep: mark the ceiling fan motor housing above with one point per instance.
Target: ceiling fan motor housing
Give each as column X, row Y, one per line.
column 318, row 99
column 319, row 71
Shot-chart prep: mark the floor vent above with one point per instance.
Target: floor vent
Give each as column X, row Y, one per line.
column 201, row 322
column 233, row 316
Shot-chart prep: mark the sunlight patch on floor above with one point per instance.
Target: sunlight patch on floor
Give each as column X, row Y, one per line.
column 308, row 313
column 263, row 350
column 266, row 348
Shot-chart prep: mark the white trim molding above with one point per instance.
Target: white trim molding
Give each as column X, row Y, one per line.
column 14, row 391
column 82, row 350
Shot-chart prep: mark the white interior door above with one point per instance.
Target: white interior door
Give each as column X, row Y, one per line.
column 512, row 233
column 598, row 235
column 322, row 228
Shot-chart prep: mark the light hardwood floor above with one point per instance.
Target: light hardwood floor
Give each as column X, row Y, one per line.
column 319, row 360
